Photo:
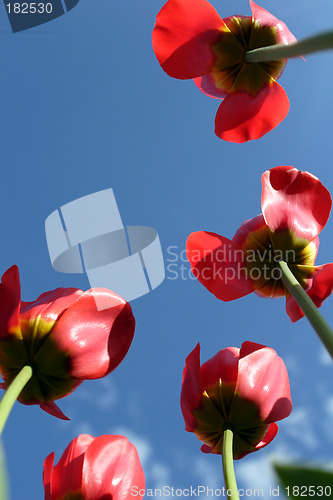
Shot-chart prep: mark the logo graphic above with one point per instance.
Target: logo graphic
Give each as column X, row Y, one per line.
column 23, row 15
column 87, row 235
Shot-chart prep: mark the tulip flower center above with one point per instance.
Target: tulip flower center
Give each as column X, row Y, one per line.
column 230, row 72
column 34, row 346
column 264, row 249
column 221, row 406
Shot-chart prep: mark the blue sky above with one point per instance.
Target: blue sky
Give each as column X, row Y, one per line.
column 85, row 106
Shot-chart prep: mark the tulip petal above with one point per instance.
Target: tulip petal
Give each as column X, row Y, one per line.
column 182, row 37
column 269, row 436
column 242, row 117
column 206, row 84
column 265, row 18
column 223, row 366
column 294, row 200
column 67, row 474
column 322, row 287
column 52, row 409
column 103, row 335
column 192, row 389
column 219, row 376
column 268, row 385
column 207, row 449
column 247, row 228
column 218, row 264
column 246, row 389
column 10, row 294
column 254, row 236
column 111, row 467
column 47, row 476
column 49, row 305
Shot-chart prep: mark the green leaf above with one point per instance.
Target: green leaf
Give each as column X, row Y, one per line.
column 304, row 481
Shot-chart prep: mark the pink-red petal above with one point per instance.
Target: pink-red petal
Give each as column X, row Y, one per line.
column 242, row 117
column 47, row 476
column 263, row 379
column 99, row 326
column 221, row 373
column 294, row 200
column 10, row 294
column 206, row 84
column 265, row 18
column 206, row 449
column 111, row 467
column 322, row 287
column 182, row 37
column 192, row 389
column 268, row 438
column 50, row 305
column 223, row 366
column 67, row 474
column 52, row 409
column 247, row 228
column 218, row 264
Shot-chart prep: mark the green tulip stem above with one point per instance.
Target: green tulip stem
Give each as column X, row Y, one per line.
column 12, row 393
column 4, row 495
column 228, row 465
column 317, row 321
column 315, row 43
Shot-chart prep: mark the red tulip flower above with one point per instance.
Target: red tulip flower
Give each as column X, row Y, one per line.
column 102, row 468
column 63, row 336
column 190, row 40
column 295, row 208
column 245, row 389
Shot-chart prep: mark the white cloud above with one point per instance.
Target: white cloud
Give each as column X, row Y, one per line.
column 327, row 422
column 157, row 474
column 102, row 392
column 329, row 406
column 108, row 396
column 142, row 445
column 300, row 429
column 292, row 363
column 324, row 358
column 134, row 406
column 256, row 472
column 208, row 476
column 256, row 475
column 85, row 427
